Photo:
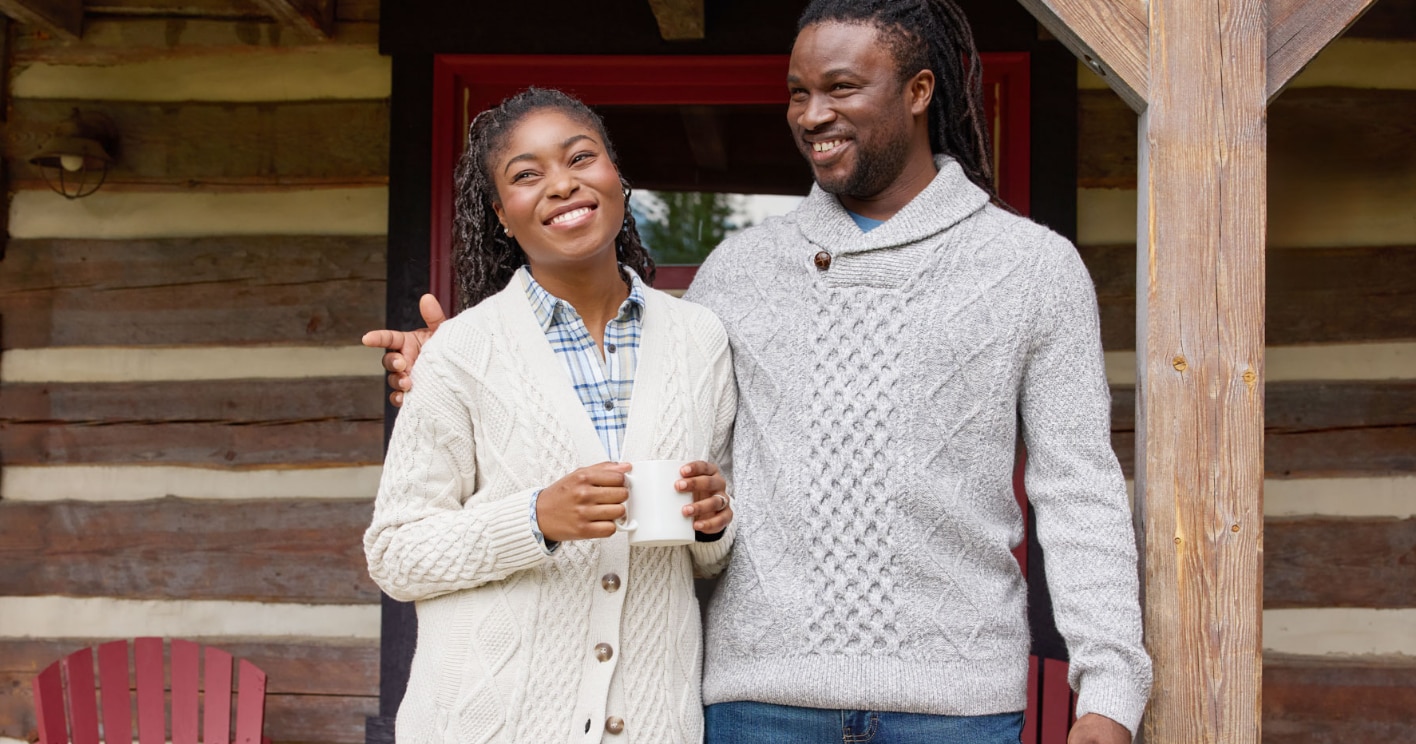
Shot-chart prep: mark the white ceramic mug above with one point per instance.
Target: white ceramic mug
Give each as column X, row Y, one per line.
column 654, row 512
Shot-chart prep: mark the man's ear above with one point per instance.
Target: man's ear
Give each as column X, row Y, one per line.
column 921, row 91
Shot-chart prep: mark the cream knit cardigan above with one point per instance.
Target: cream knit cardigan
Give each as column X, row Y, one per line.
column 506, row 632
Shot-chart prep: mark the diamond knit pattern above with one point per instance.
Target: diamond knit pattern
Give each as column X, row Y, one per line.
column 851, row 510
column 881, row 400
column 507, row 631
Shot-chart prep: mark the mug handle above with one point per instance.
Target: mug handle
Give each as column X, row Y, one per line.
column 625, row 524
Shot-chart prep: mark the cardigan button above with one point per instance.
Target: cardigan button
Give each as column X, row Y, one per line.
column 822, row 260
column 604, row 651
column 610, row 582
column 614, row 725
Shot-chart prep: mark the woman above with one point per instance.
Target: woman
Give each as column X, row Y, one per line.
column 536, row 620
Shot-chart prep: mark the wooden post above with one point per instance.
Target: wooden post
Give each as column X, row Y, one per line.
column 679, row 20
column 1209, row 71
column 1200, row 367
column 62, row 18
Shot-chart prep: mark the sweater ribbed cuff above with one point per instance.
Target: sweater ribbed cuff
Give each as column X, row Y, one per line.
column 513, row 546
column 710, row 557
column 1114, row 698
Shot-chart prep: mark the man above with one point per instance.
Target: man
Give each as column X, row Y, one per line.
column 891, row 338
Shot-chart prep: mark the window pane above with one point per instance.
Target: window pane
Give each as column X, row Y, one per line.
column 682, row 227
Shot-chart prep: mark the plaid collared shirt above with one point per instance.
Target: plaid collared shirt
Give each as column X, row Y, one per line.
column 603, row 384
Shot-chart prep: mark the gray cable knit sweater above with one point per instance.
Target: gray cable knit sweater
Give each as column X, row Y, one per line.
column 879, row 404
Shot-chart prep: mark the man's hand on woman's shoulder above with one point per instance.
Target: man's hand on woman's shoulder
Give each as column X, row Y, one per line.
column 403, row 347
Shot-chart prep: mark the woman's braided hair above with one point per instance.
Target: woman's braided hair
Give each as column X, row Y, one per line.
column 933, row 35
column 484, row 258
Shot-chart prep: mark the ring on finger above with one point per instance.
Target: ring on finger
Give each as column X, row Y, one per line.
column 722, row 501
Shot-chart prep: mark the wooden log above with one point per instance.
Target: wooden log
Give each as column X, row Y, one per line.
column 213, row 146
column 223, row 423
column 1316, row 429
column 679, row 20
column 1329, row 562
column 310, row 551
column 242, row 9
column 1315, row 295
column 1299, row 29
column 1200, row 424
column 219, row 290
column 1316, row 135
column 288, row 551
column 1109, row 35
column 112, row 40
column 313, row 19
column 61, row 18
column 1324, row 700
column 345, row 10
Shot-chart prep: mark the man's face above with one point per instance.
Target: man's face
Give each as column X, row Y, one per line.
column 850, row 116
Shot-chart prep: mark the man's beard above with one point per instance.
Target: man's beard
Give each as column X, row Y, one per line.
column 875, row 168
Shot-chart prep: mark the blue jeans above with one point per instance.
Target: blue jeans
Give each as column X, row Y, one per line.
column 762, row 723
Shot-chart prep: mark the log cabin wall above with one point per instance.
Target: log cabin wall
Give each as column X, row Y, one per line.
column 190, row 435
column 1339, row 631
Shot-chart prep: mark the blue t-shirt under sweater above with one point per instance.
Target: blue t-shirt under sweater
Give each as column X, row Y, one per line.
column 866, row 223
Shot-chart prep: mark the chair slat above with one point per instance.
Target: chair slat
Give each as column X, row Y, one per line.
column 49, row 706
column 83, row 696
column 1056, row 702
column 113, row 686
column 1030, row 717
column 185, row 696
column 216, row 728
column 250, row 704
column 152, row 711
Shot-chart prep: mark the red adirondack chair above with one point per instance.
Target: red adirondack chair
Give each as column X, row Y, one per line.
column 67, row 709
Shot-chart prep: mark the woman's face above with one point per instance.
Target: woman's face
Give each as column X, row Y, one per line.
column 558, row 194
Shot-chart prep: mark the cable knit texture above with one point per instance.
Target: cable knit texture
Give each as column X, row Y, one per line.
column 507, row 633
column 874, row 449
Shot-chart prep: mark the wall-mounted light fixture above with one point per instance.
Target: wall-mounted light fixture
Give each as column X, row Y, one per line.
column 75, row 159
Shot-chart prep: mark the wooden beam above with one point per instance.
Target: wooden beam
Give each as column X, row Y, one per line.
column 305, row 550
column 61, row 18
column 1336, row 562
column 1200, row 360
column 1315, row 429
column 1327, row 700
column 1299, row 29
column 229, row 423
column 226, row 290
column 1109, row 35
column 219, row 146
column 1315, row 295
column 313, row 19
column 1359, row 136
column 679, row 20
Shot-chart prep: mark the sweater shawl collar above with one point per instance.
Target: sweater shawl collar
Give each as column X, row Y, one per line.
column 548, row 373
column 948, row 199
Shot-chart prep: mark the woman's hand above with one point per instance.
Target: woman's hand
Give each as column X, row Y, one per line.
column 584, row 504
column 711, row 509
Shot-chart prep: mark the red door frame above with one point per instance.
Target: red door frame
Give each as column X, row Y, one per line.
column 469, row 83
